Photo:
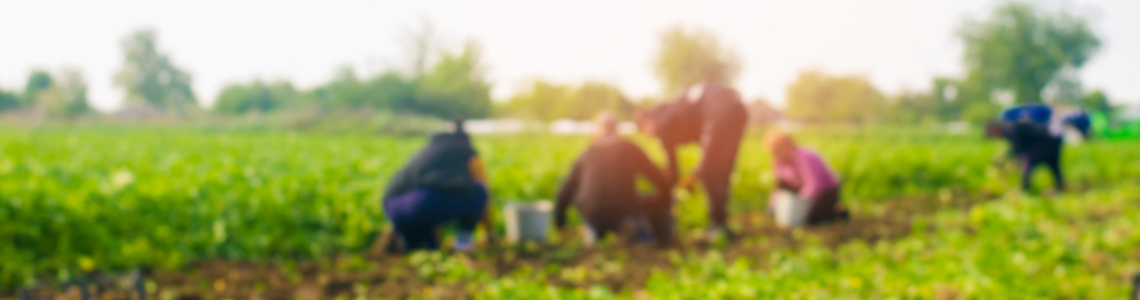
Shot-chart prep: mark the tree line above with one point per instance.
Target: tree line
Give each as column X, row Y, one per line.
column 1019, row 53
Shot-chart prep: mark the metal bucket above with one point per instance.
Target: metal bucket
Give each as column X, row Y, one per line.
column 528, row 221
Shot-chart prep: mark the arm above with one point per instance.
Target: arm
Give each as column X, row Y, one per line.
column 479, row 173
column 566, row 194
column 646, row 167
column 671, row 158
column 809, row 182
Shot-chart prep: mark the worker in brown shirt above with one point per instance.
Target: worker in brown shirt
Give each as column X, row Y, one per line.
column 602, row 185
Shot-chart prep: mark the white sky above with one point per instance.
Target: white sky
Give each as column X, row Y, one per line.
column 897, row 43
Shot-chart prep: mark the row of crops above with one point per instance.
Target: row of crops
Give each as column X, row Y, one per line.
column 81, row 200
column 1073, row 247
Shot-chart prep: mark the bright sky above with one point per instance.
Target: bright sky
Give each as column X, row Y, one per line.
column 897, row 43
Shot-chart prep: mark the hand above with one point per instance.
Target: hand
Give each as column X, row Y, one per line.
column 687, row 183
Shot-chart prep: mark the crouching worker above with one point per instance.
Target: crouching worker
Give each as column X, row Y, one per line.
column 603, row 186
column 807, row 175
column 445, row 182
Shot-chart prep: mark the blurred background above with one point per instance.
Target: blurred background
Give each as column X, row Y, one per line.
column 887, row 61
column 240, row 149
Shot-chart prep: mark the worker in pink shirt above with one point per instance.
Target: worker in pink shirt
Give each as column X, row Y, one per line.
column 804, row 172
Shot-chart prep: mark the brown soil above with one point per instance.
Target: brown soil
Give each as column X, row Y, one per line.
column 392, row 276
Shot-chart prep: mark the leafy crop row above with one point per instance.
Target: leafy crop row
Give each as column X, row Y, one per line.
column 76, row 201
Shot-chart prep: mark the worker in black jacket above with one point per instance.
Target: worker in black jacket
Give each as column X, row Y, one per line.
column 445, row 182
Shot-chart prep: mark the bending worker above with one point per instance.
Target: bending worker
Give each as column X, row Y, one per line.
column 602, row 184
column 445, row 182
column 1032, row 140
column 713, row 116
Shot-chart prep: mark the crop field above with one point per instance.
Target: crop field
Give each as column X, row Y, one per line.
column 223, row 215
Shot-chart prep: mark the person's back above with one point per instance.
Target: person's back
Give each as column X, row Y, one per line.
column 698, row 114
column 1031, row 143
column 444, row 182
column 608, row 172
column 721, row 104
column 603, row 185
column 443, row 165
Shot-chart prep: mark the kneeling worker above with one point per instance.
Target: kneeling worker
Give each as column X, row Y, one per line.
column 603, row 186
column 804, row 172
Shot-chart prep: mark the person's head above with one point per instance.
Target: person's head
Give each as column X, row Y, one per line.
column 781, row 145
column 605, row 125
column 457, row 126
column 456, row 136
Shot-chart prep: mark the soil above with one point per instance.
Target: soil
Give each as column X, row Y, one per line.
column 393, row 276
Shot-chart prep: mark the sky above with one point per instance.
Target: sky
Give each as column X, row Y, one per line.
column 898, row 44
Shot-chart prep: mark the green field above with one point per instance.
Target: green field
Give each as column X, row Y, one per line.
column 77, row 201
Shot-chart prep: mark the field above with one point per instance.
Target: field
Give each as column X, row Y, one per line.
column 276, row 215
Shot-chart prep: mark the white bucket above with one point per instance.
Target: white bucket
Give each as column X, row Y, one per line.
column 528, row 220
column 790, row 210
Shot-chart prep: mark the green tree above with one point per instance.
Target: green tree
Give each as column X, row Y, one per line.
column 38, row 81
column 456, row 87
column 980, row 112
column 9, row 100
column 345, row 90
column 594, row 97
column 546, row 101
column 255, row 97
column 946, row 100
column 66, row 96
column 1096, row 101
column 543, row 101
column 1021, row 47
column 817, row 97
column 392, row 91
column 912, row 108
column 150, row 77
column 689, row 57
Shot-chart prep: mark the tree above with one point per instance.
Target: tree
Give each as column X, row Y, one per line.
column 392, row 91
column 423, row 48
column 594, row 97
column 150, row 77
column 1022, row 47
column 66, row 96
column 9, row 100
column 544, row 101
column 456, row 87
column 1096, row 101
column 817, row 97
column 689, row 57
column 38, row 81
column 257, row 97
column 345, row 90
column 947, row 100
